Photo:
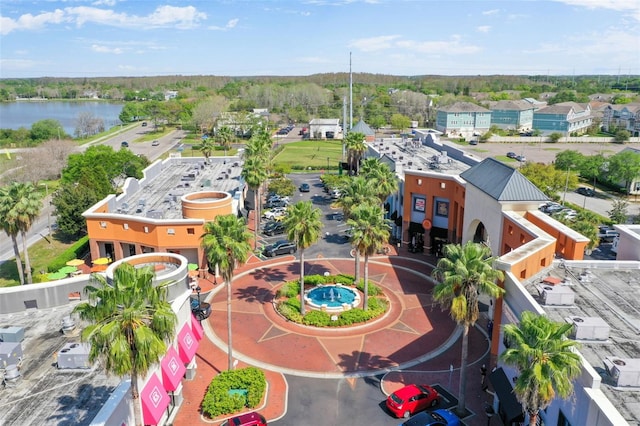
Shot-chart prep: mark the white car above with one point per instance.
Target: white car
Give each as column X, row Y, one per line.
column 275, row 212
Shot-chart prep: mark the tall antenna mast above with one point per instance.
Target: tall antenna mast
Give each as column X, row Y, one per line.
column 350, row 94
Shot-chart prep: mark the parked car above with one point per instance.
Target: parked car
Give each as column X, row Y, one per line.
column 335, row 194
column 305, row 187
column 124, row 144
column 248, row 419
column 521, row 158
column 280, row 247
column 607, row 235
column 512, row 155
column 273, row 228
column 587, row 192
column 144, row 124
column 439, row 417
column 473, row 142
column 275, row 212
column 155, row 143
column 412, row 398
column 277, row 203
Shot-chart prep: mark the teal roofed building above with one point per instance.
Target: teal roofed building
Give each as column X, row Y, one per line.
column 365, row 129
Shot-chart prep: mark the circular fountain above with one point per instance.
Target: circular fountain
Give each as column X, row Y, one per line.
column 332, row 298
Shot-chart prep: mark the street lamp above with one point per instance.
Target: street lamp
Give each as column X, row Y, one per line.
column 327, row 164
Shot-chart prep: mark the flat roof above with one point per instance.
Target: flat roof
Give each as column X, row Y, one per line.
column 45, row 394
column 158, row 195
column 604, row 292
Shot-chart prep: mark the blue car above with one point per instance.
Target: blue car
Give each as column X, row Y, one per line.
column 440, row 417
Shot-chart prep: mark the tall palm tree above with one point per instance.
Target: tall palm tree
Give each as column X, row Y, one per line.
column 357, row 191
column 131, row 323
column 463, row 273
column 224, row 137
column 546, row 361
column 20, row 204
column 384, row 179
column 259, row 146
column 355, row 148
column 370, row 232
column 10, row 227
column 226, row 244
column 303, row 227
column 255, row 173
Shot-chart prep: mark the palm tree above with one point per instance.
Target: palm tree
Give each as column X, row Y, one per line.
column 546, row 361
column 254, row 173
column 370, row 232
column 358, row 191
column 303, row 227
column 225, row 136
column 385, row 180
column 226, row 244
column 259, row 146
column 20, row 205
column 463, row 274
column 131, row 322
column 10, row 227
column 355, row 148
column 207, row 147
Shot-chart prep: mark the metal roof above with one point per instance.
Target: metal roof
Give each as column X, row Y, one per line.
column 502, row 182
column 463, row 107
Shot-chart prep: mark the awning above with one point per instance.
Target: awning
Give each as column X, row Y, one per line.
column 154, row 401
column 398, row 221
column 187, row 344
column 394, row 215
column 387, row 207
column 510, row 409
column 172, row 370
column 196, row 328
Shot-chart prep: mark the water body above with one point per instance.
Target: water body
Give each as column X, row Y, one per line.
column 14, row 115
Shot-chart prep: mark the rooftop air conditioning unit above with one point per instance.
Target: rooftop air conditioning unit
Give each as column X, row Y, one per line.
column 74, row 355
column 557, row 295
column 625, row 372
column 11, row 334
column 10, row 353
column 68, row 326
column 589, row 328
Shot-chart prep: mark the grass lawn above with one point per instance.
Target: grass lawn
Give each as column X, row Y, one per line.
column 310, row 153
column 40, row 254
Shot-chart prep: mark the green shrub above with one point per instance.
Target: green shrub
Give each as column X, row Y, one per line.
column 289, row 289
column 344, row 279
column 314, row 280
column 373, row 289
column 218, row 400
column 290, row 312
column 317, row 319
column 77, row 250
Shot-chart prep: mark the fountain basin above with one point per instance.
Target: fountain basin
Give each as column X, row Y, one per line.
column 332, row 298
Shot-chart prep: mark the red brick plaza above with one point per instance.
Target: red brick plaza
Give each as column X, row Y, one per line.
column 415, row 340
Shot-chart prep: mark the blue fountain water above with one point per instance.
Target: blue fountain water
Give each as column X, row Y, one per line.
column 331, row 295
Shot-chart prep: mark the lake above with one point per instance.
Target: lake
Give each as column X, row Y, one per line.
column 14, row 115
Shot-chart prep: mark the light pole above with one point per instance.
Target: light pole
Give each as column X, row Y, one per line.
column 198, row 290
column 47, row 207
column 327, row 164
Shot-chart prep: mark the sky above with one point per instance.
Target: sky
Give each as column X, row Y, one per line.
column 106, row 38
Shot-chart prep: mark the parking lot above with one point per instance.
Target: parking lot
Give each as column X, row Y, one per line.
column 334, row 242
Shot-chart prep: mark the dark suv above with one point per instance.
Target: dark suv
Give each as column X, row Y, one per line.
column 280, row 247
column 273, row 228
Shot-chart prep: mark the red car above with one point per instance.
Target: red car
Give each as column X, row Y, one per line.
column 411, row 399
column 248, row 419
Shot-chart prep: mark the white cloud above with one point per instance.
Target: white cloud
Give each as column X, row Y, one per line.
column 164, row 16
column 491, row 12
column 374, row 43
column 31, row 22
column 483, row 28
column 16, row 64
column 105, row 49
column 104, row 3
column 230, row 24
column 630, row 7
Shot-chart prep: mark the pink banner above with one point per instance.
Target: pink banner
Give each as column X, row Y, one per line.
column 196, row 327
column 154, row 401
column 172, row 370
column 187, row 344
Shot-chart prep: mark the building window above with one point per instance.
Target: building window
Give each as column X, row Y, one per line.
column 191, row 231
column 419, row 204
column 562, row 420
column 171, row 231
column 510, row 230
column 442, row 208
column 103, row 224
column 522, row 240
column 125, row 226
